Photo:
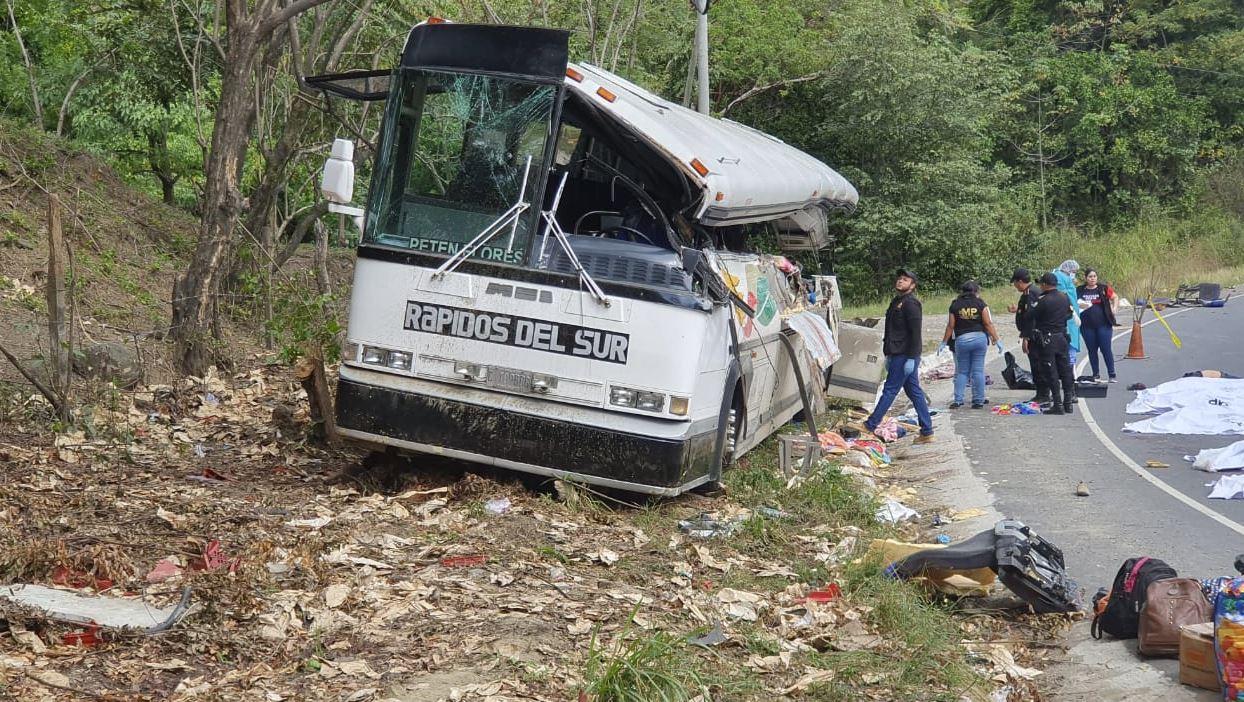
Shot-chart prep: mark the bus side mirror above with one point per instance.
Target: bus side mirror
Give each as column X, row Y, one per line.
column 337, row 180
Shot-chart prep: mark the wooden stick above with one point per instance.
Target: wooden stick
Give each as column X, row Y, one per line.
column 310, row 373
column 56, row 305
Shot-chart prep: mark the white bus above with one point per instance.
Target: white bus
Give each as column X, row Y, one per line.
column 555, row 273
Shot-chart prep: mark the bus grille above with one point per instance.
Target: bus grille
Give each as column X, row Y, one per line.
column 623, row 269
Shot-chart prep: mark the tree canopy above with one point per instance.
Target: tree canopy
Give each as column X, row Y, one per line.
column 971, row 127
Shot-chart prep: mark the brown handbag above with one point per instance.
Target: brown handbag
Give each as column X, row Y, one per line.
column 1170, row 603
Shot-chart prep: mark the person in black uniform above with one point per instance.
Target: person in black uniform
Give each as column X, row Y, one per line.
column 1050, row 316
column 1028, row 294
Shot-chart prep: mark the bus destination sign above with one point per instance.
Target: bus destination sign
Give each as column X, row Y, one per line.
column 511, row 330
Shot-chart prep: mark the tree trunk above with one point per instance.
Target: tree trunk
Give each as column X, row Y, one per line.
column 321, row 259
column 161, row 164
column 195, row 293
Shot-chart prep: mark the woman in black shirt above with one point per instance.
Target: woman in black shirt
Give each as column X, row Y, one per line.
column 1097, row 306
column 971, row 325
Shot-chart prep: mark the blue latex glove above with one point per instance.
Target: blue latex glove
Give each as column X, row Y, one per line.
column 941, row 348
column 998, row 345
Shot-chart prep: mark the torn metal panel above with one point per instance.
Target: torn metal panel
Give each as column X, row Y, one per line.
column 109, row 612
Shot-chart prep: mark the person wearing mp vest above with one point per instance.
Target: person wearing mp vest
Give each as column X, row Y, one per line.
column 901, row 346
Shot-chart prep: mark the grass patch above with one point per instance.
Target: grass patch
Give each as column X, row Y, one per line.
column 651, row 668
column 922, row 658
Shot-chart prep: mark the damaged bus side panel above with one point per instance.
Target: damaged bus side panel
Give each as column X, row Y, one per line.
column 557, row 272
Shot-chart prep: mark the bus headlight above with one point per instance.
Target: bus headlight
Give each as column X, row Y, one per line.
column 374, row 355
column 649, row 401
column 638, row 399
column 350, row 351
column 399, row 360
column 622, row 397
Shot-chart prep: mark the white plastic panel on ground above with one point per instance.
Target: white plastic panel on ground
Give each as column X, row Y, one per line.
column 756, row 176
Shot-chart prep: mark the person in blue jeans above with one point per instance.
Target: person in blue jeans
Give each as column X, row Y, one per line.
column 901, row 345
column 971, row 326
column 1097, row 303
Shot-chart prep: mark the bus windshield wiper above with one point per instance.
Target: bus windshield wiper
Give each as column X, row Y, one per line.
column 509, row 217
column 552, row 226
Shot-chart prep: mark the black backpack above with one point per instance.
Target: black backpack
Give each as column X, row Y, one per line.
column 1119, row 616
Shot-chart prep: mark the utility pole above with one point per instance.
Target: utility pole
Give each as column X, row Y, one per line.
column 701, row 53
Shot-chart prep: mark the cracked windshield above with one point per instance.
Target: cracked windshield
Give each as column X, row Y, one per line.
column 456, row 156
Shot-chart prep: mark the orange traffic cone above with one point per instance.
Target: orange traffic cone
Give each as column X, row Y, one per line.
column 1136, row 347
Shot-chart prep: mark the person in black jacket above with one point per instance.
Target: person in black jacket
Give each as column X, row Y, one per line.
column 901, row 346
column 1028, row 295
column 1050, row 316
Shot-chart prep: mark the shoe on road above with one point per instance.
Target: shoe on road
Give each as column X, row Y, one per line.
column 1082, row 489
column 1052, row 409
column 1114, row 379
column 924, row 439
column 1039, row 399
column 977, row 405
column 955, row 405
column 1068, row 408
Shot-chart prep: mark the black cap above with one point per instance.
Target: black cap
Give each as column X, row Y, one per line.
column 909, row 273
column 1048, row 279
column 1021, row 275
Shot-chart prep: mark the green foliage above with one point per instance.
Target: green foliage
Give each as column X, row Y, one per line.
column 303, row 322
column 979, row 134
column 646, row 668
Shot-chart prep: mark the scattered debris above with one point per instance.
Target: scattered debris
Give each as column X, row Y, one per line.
column 108, row 612
column 895, row 512
column 1082, row 489
column 497, row 506
column 1156, row 464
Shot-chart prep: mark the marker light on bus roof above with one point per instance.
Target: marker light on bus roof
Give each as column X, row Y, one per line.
column 574, row 75
column 606, row 94
column 699, row 167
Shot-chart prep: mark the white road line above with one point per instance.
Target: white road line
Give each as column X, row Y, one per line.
column 1134, row 466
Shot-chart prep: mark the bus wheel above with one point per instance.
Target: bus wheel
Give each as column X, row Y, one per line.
column 730, row 438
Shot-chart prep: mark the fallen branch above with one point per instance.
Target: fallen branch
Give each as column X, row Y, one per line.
column 57, row 403
column 765, row 88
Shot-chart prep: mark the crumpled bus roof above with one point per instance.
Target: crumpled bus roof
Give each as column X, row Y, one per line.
column 750, row 176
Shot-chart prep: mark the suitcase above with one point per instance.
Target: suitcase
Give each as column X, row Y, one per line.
column 1091, row 389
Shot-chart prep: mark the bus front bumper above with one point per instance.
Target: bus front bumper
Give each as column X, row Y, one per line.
column 524, row 442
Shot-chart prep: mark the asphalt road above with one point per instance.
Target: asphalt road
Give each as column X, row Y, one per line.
column 1033, row 463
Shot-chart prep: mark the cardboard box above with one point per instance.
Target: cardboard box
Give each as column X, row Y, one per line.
column 1197, row 664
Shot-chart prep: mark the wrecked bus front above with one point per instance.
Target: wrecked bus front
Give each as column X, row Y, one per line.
column 539, row 285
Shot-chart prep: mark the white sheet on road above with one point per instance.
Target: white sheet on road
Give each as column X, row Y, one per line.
column 1190, row 406
column 1217, row 460
column 1228, row 487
